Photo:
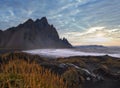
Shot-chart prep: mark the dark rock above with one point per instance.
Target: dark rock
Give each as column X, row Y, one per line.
column 29, row 21
column 32, row 35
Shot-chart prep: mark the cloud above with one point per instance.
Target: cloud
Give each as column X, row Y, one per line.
column 11, row 13
column 78, row 17
column 94, row 35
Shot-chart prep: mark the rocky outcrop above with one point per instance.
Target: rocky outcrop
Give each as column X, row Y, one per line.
column 32, row 35
column 77, row 72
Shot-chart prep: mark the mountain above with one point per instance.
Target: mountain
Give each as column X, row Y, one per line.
column 32, row 35
column 99, row 49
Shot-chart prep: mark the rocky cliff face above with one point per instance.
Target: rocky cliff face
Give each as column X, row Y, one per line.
column 32, row 35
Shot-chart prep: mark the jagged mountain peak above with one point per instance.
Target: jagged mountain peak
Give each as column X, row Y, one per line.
column 44, row 19
column 38, row 22
column 33, row 35
column 29, row 21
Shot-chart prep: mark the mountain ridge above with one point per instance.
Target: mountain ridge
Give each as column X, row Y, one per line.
column 32, row 35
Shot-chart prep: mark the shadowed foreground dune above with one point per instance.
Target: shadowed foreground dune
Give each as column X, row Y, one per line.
column 23, row 70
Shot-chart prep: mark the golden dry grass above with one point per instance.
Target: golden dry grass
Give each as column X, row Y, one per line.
column 22, row 74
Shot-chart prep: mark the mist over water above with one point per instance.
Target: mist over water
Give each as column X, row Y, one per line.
column 67, row 53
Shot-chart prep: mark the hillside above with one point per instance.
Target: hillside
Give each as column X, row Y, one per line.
column 32, row 35
column 77, row 71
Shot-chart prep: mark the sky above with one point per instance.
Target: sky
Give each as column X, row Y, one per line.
column 82, row 22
